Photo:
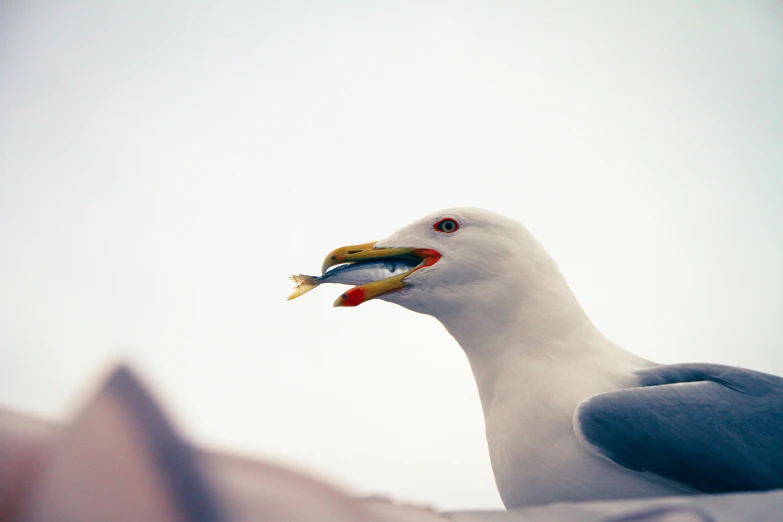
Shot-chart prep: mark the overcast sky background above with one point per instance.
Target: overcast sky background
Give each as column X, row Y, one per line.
column 164, row 169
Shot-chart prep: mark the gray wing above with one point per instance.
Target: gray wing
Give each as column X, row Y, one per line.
column 711, row 427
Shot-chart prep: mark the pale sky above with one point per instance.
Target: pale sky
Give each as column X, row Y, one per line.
column 164, row 169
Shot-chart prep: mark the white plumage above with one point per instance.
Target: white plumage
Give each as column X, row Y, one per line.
column 570, row 415
column 533, row 351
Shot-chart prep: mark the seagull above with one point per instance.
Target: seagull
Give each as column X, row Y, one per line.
column 570, row 415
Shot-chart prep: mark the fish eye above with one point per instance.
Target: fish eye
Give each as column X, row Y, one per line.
column 447, row 226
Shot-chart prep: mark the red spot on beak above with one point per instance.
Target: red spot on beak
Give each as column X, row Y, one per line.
column 353, row 297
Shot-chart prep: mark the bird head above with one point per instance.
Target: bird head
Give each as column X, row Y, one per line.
column 468, row 257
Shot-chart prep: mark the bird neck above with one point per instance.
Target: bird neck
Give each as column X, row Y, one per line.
column 514, row 318
column 526, row 337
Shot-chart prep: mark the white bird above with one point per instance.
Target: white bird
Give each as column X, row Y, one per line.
column 569, row 414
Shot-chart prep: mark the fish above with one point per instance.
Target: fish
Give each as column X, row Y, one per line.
column 359, row 273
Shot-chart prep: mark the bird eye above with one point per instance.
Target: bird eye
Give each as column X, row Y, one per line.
column 447, row 225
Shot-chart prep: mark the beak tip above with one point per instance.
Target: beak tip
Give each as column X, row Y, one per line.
column 344, row 255
column 328, row 263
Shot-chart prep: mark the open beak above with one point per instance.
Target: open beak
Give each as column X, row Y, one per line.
column 352, row 254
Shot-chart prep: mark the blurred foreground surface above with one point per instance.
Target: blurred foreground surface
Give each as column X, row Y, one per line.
column 121, row 459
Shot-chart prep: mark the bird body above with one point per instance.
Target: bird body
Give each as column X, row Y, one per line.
column 570, row 415
column 530, row 381
column 529, row 404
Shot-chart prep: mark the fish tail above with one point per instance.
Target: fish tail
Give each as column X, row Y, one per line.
column 304, row 283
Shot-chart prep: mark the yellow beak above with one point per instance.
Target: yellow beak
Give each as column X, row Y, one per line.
column 352, row 254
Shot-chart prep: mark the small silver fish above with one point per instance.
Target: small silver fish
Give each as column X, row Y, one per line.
column 354, row 274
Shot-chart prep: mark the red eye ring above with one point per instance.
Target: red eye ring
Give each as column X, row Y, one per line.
column 446, row 225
